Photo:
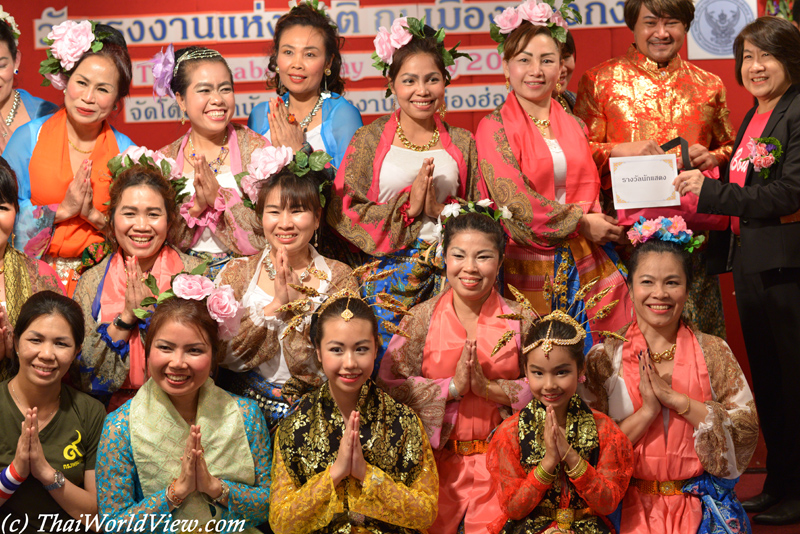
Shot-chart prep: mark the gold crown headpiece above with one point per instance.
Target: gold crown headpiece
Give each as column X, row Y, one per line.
column 555, row 293
column 383, row 300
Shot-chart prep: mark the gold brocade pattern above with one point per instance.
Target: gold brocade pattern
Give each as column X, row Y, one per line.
column 515, row 192
column 630, row 99
column 583, row 436
column 390, row 435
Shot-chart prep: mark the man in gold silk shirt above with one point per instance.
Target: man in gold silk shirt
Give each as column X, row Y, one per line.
column 634, row 103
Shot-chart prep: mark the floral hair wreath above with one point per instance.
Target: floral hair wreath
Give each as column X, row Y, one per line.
column 8, row 19
column 221, row 302
column 402, row 31
column 665, row 229
column 557, row 292
column 538, row 12
column 150, row 159
column 68, row 42
column 165, row 67
column 382, row 300
column 267, row 161
column 453, row 209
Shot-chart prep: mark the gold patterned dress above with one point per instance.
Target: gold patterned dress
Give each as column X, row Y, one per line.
column 630, row 98
column 399, row 492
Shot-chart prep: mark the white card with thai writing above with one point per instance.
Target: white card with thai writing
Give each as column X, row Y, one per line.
column 644, row 181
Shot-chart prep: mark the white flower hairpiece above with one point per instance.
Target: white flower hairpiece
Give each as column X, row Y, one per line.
column 8, row 19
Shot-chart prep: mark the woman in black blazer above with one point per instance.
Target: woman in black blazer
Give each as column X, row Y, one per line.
column 762, row 248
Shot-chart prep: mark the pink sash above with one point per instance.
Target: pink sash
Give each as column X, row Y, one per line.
column 536, row 163
column 112, row 302
column 476, row 416
column 665, row 456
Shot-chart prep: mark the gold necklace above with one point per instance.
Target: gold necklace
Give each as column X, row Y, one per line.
column 417, row 148
column 563, row 102
column 42, row 420
column 217, row 163
column 78, row 149
column 542, row 124
column 665, row 356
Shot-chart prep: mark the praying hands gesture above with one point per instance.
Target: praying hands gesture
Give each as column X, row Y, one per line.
column 194, row 475
column 282, row 132
column 470, row 377
column 29, row 458
column 557, row 449
column 78, row 199
column 206, row 185
column 422, row 198
column 350, row 460
column 6, row 335
column 284, row 275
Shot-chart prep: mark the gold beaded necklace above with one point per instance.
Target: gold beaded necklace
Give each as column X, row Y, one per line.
column 542, row 124
column 417, row 148
column 78, row 149
column 665, row 356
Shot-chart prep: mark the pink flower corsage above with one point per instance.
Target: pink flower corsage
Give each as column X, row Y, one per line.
column 226, row 310
column 764, row 152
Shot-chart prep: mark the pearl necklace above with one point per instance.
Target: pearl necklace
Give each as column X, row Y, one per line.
column 217, row 163
column 417, row 148
column 14, row 107
column 307, row 272
column 665, row 356
column 542, row 124
column 305, row 122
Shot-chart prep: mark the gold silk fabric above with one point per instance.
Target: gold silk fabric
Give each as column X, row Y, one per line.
column 158, row 439
column 630, row 99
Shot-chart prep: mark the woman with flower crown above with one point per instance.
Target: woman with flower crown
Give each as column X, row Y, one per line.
column 209, row 155
column 535, row 159
column 17, row 106
column 350, row 458
column 400, row 170
column 60, row 160
column 183, row 449
column 678, row 394
column 271, row 358
column 142, row 222
column 450, row 374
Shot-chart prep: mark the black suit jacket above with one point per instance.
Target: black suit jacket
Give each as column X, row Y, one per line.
column 767, row 243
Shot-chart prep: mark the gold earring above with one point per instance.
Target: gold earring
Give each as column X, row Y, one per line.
column 183, row 118
column 558, row 87
column 508, row 85
column 277, row 69
column 327, row 72
column 443, row 110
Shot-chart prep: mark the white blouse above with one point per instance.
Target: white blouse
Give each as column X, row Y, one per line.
column 559, row 170
column 401, row 167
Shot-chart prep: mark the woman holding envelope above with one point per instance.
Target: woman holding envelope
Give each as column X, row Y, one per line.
column 536, row 163
column 761, row 191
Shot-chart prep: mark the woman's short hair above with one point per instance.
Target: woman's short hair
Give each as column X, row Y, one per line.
column 193, row 313
column 682, row 10
column 518, row 39
column 183, row 77
column 305, row 15
column 475, row 222
column 115, row 49
column 429, row 45
column 51, row 303
column 296, row 192
column 776, row 36
column 8, row 184
column 136, row 176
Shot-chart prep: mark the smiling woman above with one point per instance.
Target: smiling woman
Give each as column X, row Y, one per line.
column 48, row 446
column 142, row 216
column 210, row 154
column 60, row 161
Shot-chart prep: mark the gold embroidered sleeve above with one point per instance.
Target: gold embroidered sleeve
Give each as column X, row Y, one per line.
column 587, row 108
column 722, row 130
column 413, row 507
column 727, row 439
column 299, row 510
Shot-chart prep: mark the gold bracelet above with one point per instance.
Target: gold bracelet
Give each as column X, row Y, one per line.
column 566, row 453
column 543, row 476
column 688, row 405
column 578, row 470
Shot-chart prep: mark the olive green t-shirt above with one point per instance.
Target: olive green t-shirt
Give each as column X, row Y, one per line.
column 69, row 442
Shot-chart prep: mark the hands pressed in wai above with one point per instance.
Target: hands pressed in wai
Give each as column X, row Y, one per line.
column 205, row 183
column 350, row 460
column 78, row 200
column 29, row 458
column 557, row 449
column 656, row 392
column 194, row 475
column 422, row 198
column 469, row 373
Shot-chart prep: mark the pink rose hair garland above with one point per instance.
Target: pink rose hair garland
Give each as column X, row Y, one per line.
column 538, row 13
